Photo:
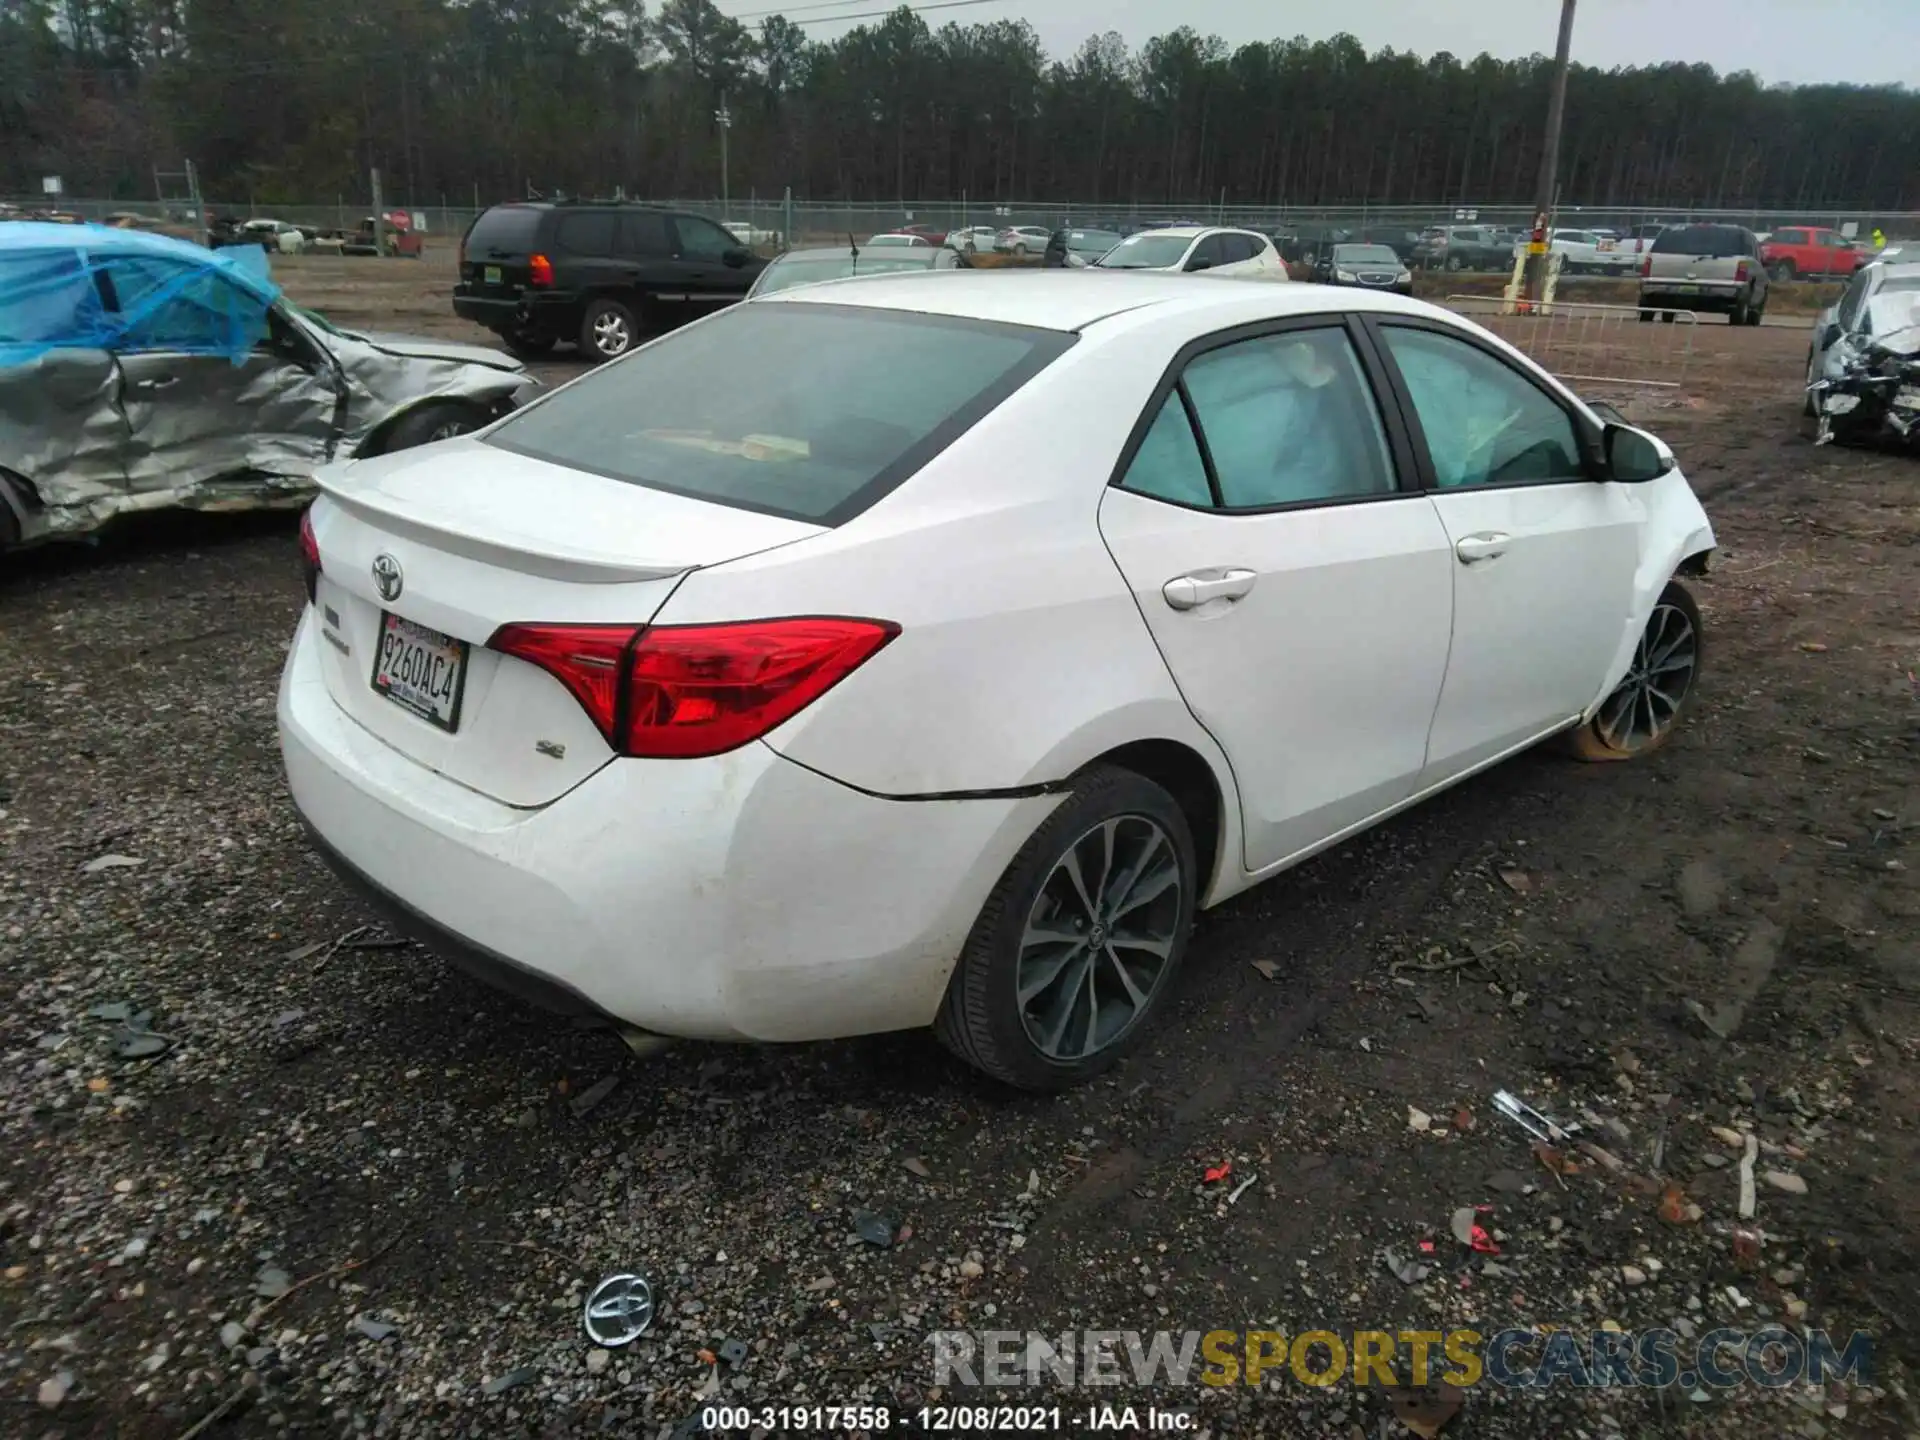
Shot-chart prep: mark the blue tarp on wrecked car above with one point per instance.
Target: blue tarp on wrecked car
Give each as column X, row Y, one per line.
column 97, row 288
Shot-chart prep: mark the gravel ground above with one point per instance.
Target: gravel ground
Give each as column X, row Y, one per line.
column 349, row 1192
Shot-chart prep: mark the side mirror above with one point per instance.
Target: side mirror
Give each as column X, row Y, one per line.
column 736, row 257
column 1199, row 262
column 1829, row 334
column 1633, row 456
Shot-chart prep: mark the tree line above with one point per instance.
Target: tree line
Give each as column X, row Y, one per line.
column 294, row 100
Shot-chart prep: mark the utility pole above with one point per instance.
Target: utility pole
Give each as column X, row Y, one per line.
column 1545, row 191
column 724, row 119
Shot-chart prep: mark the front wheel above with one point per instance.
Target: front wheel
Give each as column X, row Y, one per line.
column 1077, row 945
column 428, row 423
column 1645, row 707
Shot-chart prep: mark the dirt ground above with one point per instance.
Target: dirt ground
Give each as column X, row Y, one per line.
column 1724, row 938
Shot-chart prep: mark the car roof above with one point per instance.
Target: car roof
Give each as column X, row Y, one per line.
column 1072, row 300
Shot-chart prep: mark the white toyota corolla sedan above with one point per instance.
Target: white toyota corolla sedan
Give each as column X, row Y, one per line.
column 925, row 650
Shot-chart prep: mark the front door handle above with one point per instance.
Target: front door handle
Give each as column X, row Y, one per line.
column 160, row 382
column 1197, row 587
column 1487, row 545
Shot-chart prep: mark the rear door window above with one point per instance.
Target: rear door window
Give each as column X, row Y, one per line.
column 589, row 234
column 505, row 230
column 644, row 232
column 704, row 240
column 811, row 412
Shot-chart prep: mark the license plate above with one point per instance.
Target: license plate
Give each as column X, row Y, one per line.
column 421, row 671
column 491, row 274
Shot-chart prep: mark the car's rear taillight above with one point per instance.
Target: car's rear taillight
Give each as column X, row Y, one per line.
column 685, row 691
column 1646, row 266
column 540, row 272
column 1742, row 271
column 309, row 555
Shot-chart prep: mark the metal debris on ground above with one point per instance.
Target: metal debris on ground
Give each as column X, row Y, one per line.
column 1418, row 1119
column 375, row 1330
column 876, row 1227
column 585, row 1101
column 1233, row 1197
column 1215, row 1173
column 916, row 1166
column 1269, row 969
column 1747, row 1200
column 1541, row 1127
column 110, row 862
column 618, row 1309
column 1407, row 1271
column 733, row 1352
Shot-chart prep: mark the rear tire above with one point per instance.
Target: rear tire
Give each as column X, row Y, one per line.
column 1666, row 317
column 608, row 330
column 1646, row 317
column 1646, row 707
column 1738, row 314
column 1110, row 872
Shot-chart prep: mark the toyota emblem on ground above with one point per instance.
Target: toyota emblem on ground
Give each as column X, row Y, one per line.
column 618, row 1311
column 387, row 578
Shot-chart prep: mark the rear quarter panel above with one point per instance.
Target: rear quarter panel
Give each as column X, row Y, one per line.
column 1022, row 654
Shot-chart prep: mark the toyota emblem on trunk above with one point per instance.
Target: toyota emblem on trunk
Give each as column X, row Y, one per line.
column 387, row 578
column 618, row 1311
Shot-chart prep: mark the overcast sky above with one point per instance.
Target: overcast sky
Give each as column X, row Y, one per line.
column 1859, row 41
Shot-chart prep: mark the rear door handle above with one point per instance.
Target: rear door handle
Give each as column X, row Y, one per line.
column 1197, row 587
column 1487, row 545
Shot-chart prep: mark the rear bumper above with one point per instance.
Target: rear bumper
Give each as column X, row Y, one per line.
column 553, row 314
column 1708, row 296
column 739, row 897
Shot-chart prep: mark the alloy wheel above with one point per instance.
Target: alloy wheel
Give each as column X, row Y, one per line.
column 1099, row 938
column 1644, row 706
column 610, row 334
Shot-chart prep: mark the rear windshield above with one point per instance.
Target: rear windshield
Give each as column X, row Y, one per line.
column 785, row 274
column 1714, row 242
column 507, row 229
column 811, row 412
column 1365, row 255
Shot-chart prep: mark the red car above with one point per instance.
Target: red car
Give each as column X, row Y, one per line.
column 1808, row 250
column 926, row 232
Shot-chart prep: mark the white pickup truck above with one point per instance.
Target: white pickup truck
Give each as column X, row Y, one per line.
column 1583, row 252
column 749, row 234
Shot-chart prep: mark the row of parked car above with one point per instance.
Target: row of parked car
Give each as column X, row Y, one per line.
column 601, row 276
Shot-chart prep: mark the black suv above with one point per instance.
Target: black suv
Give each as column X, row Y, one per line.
column 602, row 275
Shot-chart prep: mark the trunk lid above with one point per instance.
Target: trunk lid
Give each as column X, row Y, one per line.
column 460, row 538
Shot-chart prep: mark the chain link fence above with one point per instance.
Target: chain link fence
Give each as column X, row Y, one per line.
column 802, row 222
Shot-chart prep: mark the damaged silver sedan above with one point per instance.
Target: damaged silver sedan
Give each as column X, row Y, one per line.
column 1863, row 367
column 139, row 372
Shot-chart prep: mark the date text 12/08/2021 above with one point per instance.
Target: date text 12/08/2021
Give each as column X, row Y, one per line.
column 943, row 1419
